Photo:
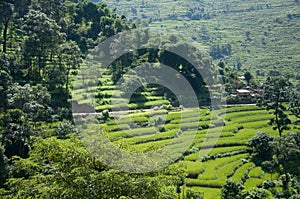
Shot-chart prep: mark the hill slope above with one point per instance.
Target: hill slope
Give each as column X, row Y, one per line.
column 249, row 35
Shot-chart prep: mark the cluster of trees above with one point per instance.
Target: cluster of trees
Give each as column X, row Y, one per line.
column 273, row 154
column 161, row 48
column 220, row 51
column 281, row 99
column 278, row 154
column 42, row 46
column 43, row 43
column 231, row 78
column 199, row 13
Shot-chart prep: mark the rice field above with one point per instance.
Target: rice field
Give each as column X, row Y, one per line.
column 216, row 154
column 218, row 148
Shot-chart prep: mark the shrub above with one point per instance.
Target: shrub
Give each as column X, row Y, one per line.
column 268, row 184
column 158, row 122
column 105, row 115
column 232, row 190
column 191, row 194
column 260, row 146
column 64, row 128
column 256, row 193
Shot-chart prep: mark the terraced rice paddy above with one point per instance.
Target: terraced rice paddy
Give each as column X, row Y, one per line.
column 228, row 159
column 216, row 153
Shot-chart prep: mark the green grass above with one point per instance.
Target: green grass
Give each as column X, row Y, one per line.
column 228, row 142
column 213, row 165
column 218, row 150
column 256, row 172
column 153, row 138
column 194, row 167
column 242, row 171
column 209, row 193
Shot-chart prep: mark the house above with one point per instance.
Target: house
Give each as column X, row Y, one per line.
column 243, row 93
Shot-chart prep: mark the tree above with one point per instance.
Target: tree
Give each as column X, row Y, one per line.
column 70, row 57
column 16, row 134
column 256, row 193
column 7, row 9
column 260, row 146
column 294, row 104
column 65, row 169
column 34, row 101
column 54, row 9
column 231, row 190
column 43, row 39
column 248, row 76
column 290, row 185
column 286, row 150
column 5, row 81
column 276, row 92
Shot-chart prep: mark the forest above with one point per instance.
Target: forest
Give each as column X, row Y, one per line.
column 245, row 147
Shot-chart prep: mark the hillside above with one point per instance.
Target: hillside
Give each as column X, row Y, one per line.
column 92, row 107
column 249, row 35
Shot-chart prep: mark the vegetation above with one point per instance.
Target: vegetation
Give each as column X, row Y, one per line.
column 235, row 151
column 276, row 92
column 244, row 35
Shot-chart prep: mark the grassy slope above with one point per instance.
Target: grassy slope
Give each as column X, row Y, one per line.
column 230, row 20
column 231, row 159
column 137, row 132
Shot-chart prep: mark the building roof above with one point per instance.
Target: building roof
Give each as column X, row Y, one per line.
column 242, row 91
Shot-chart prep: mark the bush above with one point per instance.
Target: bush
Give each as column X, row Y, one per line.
column 190, row 194
column 268, row 184
column 260, row 146
column 232, row 190
column 64, row 129
column 105, row 115
column 158, row 122
column 256, row 194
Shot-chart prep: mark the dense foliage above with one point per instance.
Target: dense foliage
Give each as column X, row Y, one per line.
column 43, row 45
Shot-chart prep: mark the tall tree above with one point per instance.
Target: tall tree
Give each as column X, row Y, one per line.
column 32, row 100
column 43, row 38
column 16, row 134
column 276, row 92
column 7, row 9
column 5, row 81
column 70, row 57
column 248, row 76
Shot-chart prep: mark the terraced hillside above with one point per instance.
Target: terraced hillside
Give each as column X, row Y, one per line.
column 108, row 97
column 217, row 152
column 249, row 35
column 143, row 131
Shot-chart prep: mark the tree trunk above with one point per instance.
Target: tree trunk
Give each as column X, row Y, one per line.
column 4, row 47
column 67, row 82
column 276, row 114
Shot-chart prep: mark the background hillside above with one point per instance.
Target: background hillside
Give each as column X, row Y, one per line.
column 248, row 35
